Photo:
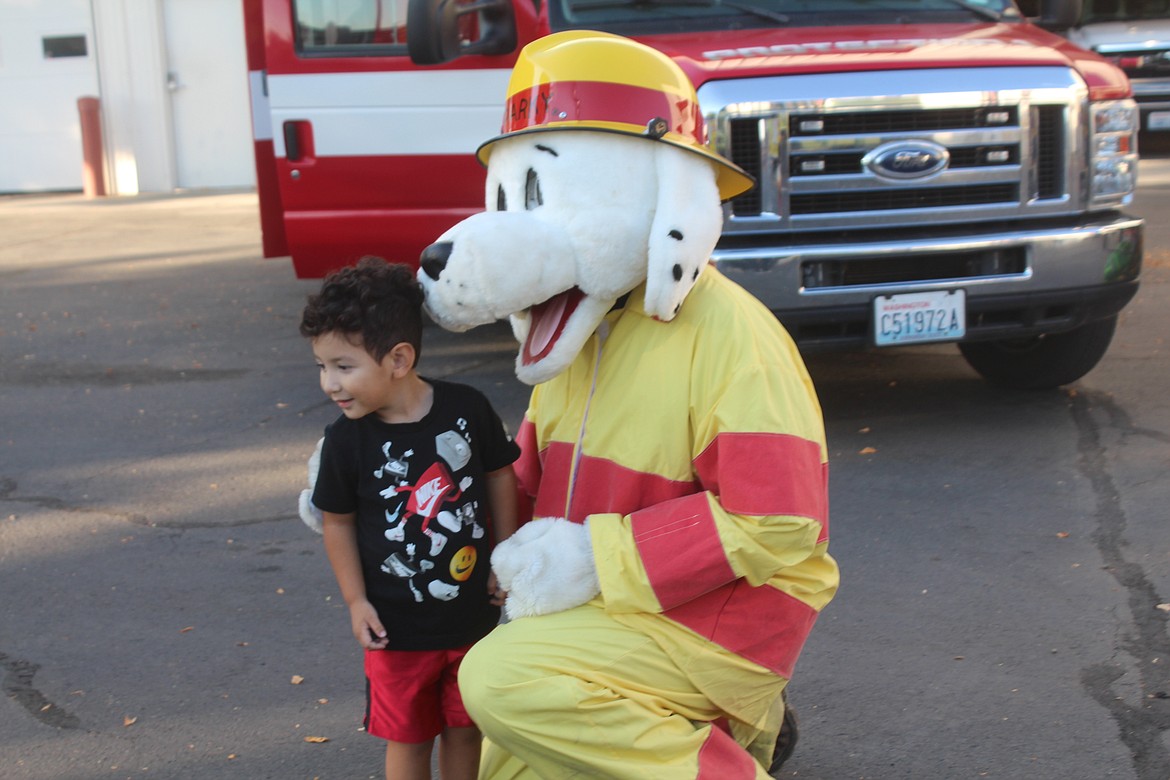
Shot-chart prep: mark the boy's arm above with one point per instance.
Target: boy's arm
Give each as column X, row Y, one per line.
column 501, row 494
column 340, row 534
column 502, row 500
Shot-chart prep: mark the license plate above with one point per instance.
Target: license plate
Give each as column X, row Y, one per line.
column 1158, row 120
column 914, row 318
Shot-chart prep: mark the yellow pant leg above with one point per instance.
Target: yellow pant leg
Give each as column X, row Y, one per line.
column 578, row 695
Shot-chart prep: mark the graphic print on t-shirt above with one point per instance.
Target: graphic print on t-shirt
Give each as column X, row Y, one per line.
column 430, row 507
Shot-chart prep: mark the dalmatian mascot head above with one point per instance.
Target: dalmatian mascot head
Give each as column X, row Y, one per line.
column 600, row 180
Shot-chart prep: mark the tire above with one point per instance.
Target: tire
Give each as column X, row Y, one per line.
column 1041, row 362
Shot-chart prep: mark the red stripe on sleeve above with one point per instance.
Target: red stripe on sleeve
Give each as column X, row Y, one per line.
column 680, row 547
column 721, row 758
column 766, row 474
column 762, row 624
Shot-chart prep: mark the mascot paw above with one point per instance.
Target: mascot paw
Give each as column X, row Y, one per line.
column 546, row 566
column 310, row 514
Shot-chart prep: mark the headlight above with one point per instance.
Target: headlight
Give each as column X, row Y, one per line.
column 1114, row 148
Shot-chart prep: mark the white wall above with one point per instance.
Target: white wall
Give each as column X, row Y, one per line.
column 127, row 66
column 135, row 111
column 40, row 134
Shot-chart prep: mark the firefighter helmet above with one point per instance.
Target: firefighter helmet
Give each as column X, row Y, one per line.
column 586, row 80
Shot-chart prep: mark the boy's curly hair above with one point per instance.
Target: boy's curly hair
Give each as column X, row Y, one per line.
column 379, row 301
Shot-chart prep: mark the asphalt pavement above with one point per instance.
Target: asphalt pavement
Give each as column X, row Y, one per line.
column 166, row 614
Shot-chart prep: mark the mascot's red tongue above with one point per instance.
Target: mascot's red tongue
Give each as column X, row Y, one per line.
column 547, row 321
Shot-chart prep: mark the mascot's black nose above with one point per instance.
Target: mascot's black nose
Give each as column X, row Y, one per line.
column 434, row 259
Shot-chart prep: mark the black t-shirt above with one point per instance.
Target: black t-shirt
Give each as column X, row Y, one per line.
column 423, row 523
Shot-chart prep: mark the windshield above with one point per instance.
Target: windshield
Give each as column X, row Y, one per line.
column 1094, row 11
column 634, row 17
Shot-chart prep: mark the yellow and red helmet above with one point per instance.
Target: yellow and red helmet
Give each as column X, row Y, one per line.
column 587, row 80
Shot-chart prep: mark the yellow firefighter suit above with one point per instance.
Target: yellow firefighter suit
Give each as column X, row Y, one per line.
column 695, row 449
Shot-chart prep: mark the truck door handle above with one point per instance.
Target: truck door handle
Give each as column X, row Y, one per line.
column 298, row 140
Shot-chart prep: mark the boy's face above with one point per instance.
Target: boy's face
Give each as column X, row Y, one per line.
column 351, row 377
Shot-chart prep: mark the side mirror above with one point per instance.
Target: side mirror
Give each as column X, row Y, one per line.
column 435, row 29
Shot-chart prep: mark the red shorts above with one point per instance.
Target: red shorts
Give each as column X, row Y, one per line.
column 412, row 695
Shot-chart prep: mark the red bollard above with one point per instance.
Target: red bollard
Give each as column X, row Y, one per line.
column 93, row 168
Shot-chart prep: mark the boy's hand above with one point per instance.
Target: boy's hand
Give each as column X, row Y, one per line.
column 366, row 626
column 498, row 595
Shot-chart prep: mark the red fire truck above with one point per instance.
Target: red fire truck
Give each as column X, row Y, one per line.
column 929, row 170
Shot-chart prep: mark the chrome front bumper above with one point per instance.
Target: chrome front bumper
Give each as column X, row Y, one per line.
column 1058, row 277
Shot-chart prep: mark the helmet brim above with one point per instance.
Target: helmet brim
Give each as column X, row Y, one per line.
column 731, row 180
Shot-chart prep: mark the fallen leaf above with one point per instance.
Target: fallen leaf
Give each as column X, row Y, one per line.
column 280, row 591
column 231, row 756
column 128, row 720
column 864, row 430
column 297, row 679
column 322, row 701
column 1062, row 535
column 866, row 451
column 185, row 630
column 1164, row 607
column 316, row 739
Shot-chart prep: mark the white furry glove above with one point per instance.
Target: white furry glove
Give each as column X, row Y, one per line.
column 546, row 566
column 309, row 513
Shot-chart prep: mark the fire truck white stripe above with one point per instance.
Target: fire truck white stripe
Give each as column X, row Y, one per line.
column 390, row 113
column 261, row 118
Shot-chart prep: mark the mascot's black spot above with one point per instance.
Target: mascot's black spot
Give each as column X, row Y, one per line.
column 676, row 308
column 695, row 275
column 676, row 235
column 677, row 272
column 550, row 150
column 532, row 194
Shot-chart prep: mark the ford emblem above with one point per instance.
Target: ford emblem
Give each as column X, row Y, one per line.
column 907, row 159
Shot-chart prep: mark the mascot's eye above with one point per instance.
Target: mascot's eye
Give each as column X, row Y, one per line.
column 501, row 201
column 532, row 196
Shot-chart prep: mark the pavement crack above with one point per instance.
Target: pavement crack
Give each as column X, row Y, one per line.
column 8, row 493
column 33, row 373
column 1147, row 642
column 18, row 686
column 187, row 525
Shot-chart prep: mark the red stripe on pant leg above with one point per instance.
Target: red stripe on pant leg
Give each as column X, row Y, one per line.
column 680, row 547
column 721, row 758
column 766, row 474
column 763, row 624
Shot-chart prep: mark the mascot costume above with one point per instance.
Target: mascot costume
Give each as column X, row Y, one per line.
column 673, row 447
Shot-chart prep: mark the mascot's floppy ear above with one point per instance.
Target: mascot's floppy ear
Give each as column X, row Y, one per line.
column 687, row 222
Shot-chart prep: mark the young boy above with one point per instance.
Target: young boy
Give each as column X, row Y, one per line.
column 415, row 485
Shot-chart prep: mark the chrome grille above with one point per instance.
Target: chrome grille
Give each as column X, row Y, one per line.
column 1010, row 134
column 917, row 198
column 899, row 121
